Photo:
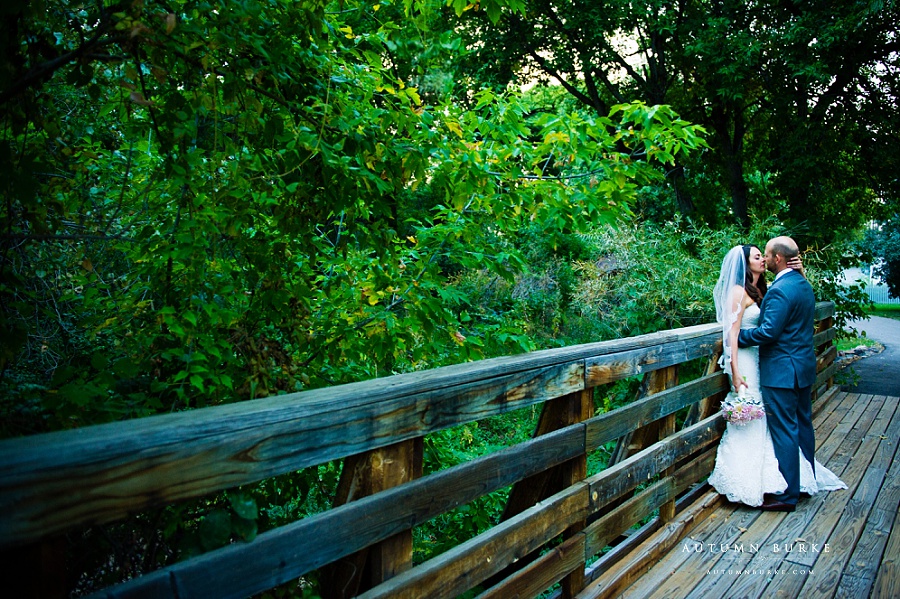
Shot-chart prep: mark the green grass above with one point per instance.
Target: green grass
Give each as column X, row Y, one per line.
column 882, row 310
column 845, row 344
column 886, row 311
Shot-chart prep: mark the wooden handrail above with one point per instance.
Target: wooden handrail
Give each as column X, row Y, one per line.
column 124, row 468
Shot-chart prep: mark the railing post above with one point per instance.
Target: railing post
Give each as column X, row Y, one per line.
column 366, row 474
column 653, row 383
column 557, row 413
column 573, row 472
column 710, row 405
column 821, row 326
column 632, row 442
column 662, row 380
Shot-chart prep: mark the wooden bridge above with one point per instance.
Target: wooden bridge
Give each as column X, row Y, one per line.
column 645, row 525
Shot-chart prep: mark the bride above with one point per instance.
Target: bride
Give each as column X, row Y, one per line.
column 746, row 466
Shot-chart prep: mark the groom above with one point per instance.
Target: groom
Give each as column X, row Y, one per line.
column 787, row 367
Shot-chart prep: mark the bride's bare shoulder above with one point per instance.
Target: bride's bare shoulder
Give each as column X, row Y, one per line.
column 739, row 296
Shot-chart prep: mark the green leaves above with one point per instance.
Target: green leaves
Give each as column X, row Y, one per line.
column 215, row 529
column 288, row 205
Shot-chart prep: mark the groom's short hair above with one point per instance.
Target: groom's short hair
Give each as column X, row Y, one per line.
column 786, row 247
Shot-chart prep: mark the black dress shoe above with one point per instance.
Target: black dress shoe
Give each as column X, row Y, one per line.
column 777, row 506
column 804, row 495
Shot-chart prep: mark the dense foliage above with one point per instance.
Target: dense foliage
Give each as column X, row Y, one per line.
column 800, row 98
column 198, row 211
column 207, row 201
column 882, row 245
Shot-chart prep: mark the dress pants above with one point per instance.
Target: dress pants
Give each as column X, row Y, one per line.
column 789, row 414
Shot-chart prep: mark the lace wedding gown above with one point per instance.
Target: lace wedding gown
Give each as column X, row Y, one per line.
column 746, row 466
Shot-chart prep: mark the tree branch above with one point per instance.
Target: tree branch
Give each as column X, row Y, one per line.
column 553, row 73
column 52, row 237
column 44, row 70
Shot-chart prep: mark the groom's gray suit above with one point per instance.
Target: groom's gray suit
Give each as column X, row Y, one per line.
column 787, row 372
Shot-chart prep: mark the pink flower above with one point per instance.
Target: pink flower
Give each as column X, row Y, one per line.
column 741, row 410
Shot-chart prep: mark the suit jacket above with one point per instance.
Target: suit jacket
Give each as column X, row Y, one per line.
column 785, row 334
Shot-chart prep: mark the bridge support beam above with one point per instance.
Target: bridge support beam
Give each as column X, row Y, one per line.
column 366, row 474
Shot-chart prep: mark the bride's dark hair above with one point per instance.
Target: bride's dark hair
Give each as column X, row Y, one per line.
column 758, row 291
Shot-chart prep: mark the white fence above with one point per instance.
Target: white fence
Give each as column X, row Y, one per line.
column 879, row 294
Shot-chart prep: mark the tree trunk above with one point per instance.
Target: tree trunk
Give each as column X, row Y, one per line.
column 738, row 189
column 728, row 121
column 682, row 197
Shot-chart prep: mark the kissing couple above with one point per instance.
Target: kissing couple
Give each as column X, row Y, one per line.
column 768, row 460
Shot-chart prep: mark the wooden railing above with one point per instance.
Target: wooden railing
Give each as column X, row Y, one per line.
column 557, row 519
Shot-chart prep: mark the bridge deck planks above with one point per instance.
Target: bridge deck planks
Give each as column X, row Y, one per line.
column 736, row 523
column 857, row 438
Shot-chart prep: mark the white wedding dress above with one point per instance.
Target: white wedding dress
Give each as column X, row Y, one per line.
column 746, row 466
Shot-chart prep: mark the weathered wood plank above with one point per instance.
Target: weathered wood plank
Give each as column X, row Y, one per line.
column 708, row 405
column 680, row 560
column 756, row 536
column 126, row 467
column 825, row 375
column 813, row 525
column 887, row 583
column 698, row 469
column 825, row 423
column 599, row 533
column 861, row 426
column 363, row 475
column 572, row 472
column 830, row 566
column 873, row 552
column 690, row 578
column 284, row 554
column 822, row 399
column 626, row 475
column 668, row 379
column 622, row 574
column 468, row 564
column 850, row 430
column 424, row 580
column 814, row 521
column 862, row 567
column 543, row 573
column 701, row 553
column 693, row 573
column 557, row 413
column 844, row 513
column 610, row 368
column 699, row 495
column 634, row 440
column 782, row 530
column 823, row 337
column 833, row 431
column 129, row 467
column 612, row 425
column 826, row 358
column 824, row 310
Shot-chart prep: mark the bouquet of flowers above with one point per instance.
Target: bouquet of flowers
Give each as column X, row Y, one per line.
column 740, row 408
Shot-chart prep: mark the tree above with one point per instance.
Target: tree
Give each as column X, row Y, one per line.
column 883, row 243
column 795, row 96
column 210, row 201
